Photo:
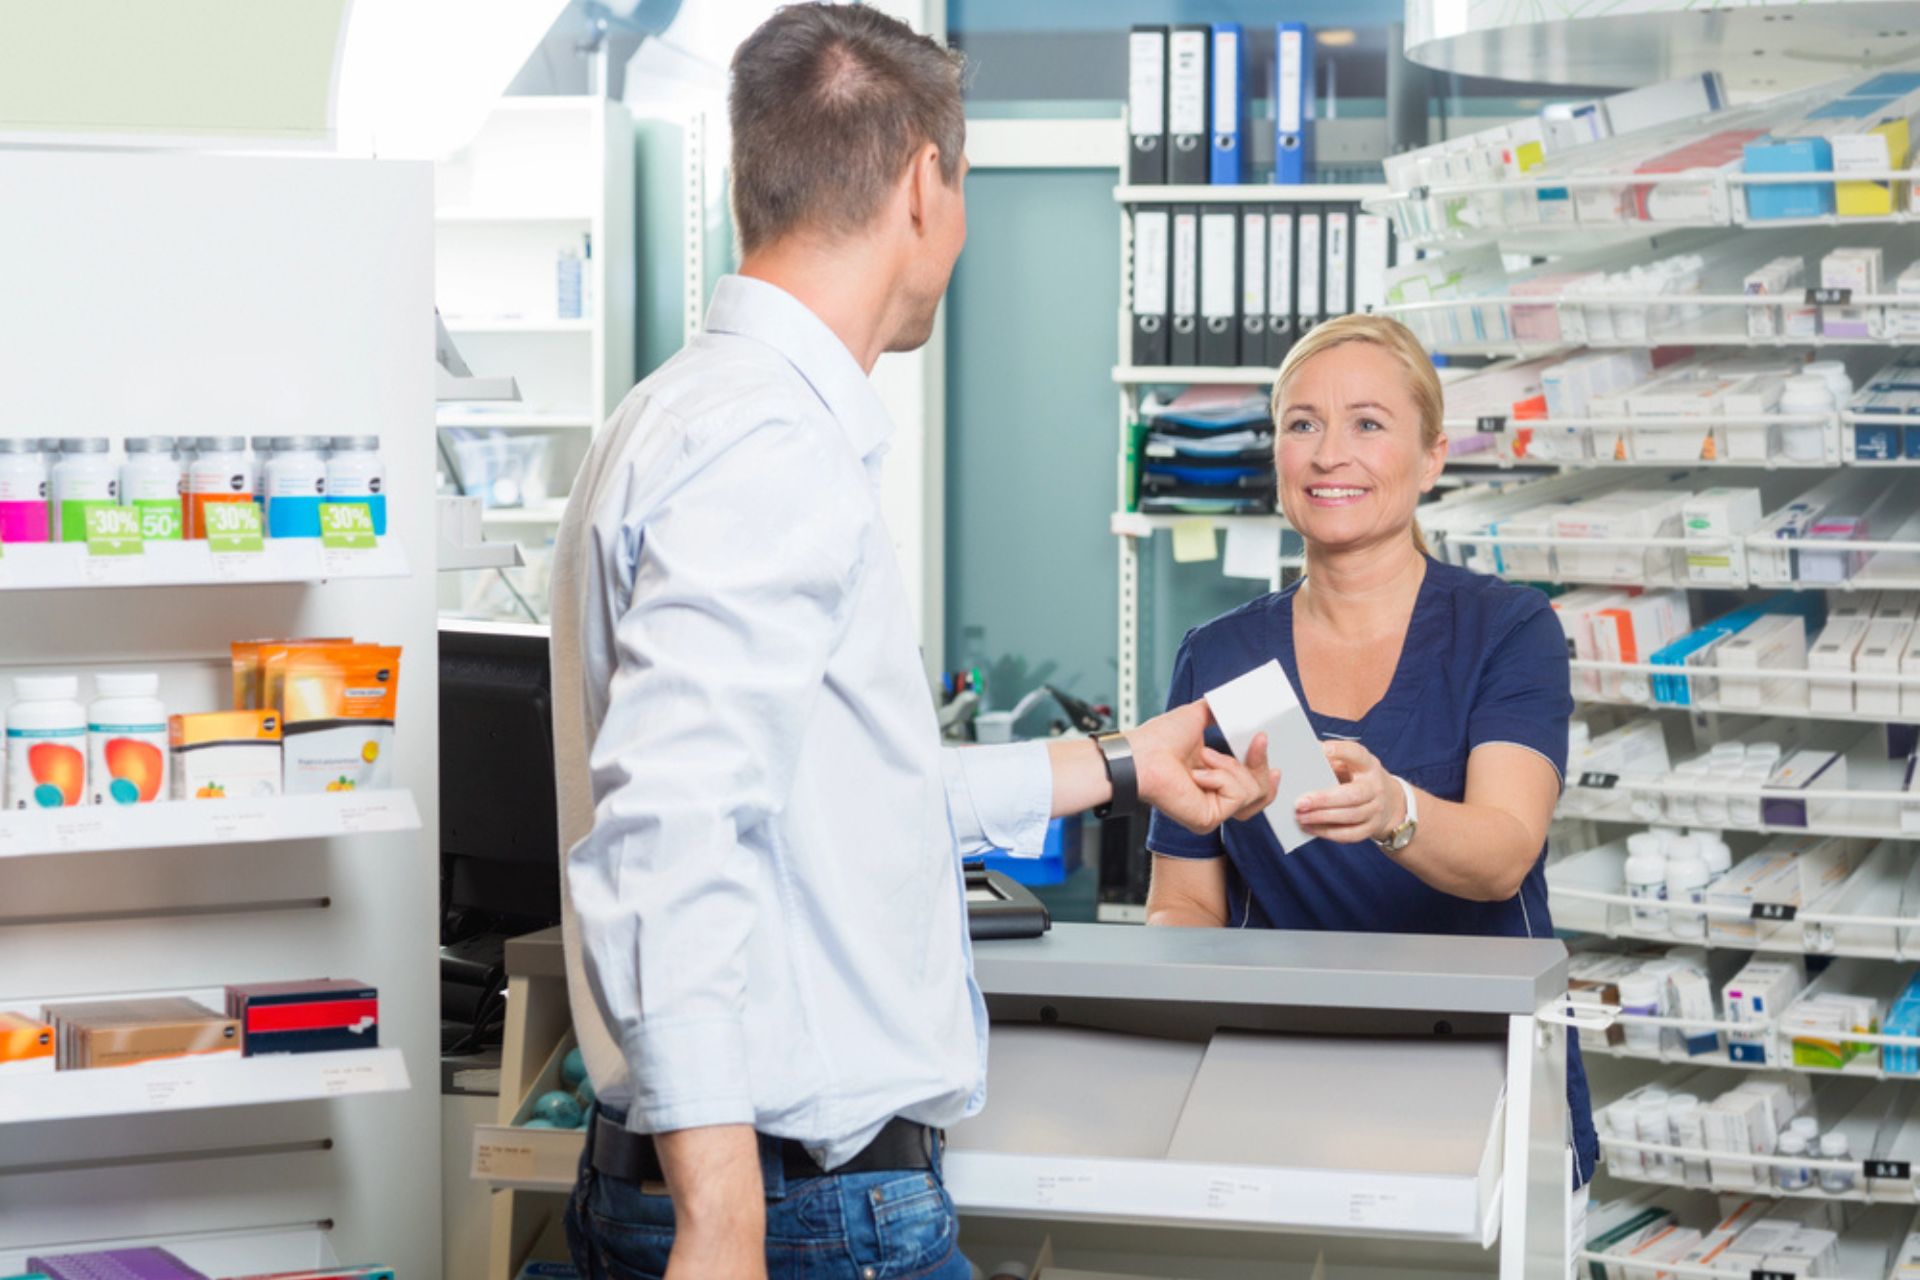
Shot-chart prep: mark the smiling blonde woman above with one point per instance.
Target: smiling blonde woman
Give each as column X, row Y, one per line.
column 1441, row 696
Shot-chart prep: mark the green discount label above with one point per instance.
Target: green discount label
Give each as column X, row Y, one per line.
column 113, row 530
column 160, row 521
column 234, row 527
column 347, row 526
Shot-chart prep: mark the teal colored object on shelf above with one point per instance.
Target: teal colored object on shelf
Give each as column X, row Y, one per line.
column 538, row 1123
column 573, row 1068
column 1790, row 199
column 1059, row 857
column 560, row 1108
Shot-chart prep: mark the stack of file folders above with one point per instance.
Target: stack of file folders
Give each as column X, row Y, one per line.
column 1211, row 460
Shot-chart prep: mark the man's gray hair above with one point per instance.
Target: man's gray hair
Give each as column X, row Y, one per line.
column 828, row 104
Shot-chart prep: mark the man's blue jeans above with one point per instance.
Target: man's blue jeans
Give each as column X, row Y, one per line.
column 856, row 1226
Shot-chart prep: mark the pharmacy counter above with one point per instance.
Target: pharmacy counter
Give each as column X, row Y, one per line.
column 1320, row 1084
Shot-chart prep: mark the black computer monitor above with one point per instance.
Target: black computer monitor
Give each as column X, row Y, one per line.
column 499, row 821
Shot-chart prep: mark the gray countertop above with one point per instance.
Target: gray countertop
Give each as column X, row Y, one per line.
column 1235, row 966
column 1278, row 967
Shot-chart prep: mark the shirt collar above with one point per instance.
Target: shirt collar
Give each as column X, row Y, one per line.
column 769, row 314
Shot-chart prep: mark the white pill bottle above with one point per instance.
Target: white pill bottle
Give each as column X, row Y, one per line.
column 127, row 739
column 46, row 744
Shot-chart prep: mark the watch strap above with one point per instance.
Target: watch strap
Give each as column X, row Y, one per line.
column 1117, row 755
column 1402, row 836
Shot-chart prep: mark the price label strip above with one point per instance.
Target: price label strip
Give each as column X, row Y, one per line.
column 1779, row 912
column 1599, row 781
column 1829, row 297
column 1897, row 1170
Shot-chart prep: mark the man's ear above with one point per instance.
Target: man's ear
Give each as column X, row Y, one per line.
column 922, row 172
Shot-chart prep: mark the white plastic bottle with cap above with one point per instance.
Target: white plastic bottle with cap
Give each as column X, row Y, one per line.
column 1806, row 395
column 1687, row 879
column 355, row 473
column 82, row 477
column 1647, row 881
column 150, row 483
column 1792, row 1177
column 127, row 739
column 46, row 744
column 1640, row 998
column 296, row 486
column 1834, row 1146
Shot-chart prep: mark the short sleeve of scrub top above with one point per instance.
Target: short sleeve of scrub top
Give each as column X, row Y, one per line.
column 1484, row 661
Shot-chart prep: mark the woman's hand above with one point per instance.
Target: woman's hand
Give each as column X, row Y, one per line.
column 1190, row 782
column 1367, row 805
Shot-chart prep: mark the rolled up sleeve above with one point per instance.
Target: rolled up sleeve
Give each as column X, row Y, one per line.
column 999, row 797
column 719, row 659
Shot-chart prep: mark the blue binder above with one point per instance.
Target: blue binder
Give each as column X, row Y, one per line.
column 1292, row 103
column 1228, row 161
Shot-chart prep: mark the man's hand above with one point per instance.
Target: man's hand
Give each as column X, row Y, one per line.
column 719, row 1203
column 1367, row 805
column 1190, row 782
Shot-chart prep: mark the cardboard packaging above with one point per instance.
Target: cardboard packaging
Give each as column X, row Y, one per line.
column 1834, row 650
column 225, row 755
column 26, row 1046
column 124, row 1033
column 1712, row 517
column 322, row 1015
column 1763, row 985
column 1776, row 641
column 1263, row 701
column 1881, row 653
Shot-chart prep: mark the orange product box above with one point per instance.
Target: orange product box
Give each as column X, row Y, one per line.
column 26, row 1046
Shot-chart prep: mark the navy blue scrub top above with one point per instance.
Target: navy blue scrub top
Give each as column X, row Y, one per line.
column 1483, row 661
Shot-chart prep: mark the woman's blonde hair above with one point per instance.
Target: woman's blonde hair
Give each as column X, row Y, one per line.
column 1423, row 381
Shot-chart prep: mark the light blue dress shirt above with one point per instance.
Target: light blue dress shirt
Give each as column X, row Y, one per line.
column 765, row 916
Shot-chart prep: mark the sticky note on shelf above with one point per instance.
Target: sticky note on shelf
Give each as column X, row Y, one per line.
column 1253, row 551
column 1193, row 541
column 1263, row 701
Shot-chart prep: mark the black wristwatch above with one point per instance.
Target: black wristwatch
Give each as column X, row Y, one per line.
column 1117, row 755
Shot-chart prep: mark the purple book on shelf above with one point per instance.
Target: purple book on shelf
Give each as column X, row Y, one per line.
column 115, row 1264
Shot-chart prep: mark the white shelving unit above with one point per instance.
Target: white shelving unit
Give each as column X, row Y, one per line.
column 245, row 284
column 185, row 823
column 545, row 176
column 1861, row 925
column 1132, row 381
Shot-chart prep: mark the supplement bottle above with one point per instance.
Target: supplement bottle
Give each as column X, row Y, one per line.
column 46, row 744
column 1833, row 1146
column 1792, row 1177
column 296, row 484
column 257, row 466
column 1647, row 882
column 23, row 490
column 83, row 477
column 355, row 473
column 127, row 739
column 1640, row 998
column 1807, row 395
column 1687, row 879
column 150, row 483
column 218, row 474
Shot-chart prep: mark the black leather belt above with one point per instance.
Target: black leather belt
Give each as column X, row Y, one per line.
column 902, row 1144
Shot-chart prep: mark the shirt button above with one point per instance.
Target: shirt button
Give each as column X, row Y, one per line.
column 867, row 1273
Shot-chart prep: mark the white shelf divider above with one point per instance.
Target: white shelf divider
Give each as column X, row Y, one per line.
column 188, row 1084
column 1151, row 375
column 174, row 824
column 54, row 566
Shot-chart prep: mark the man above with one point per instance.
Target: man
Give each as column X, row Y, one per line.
column 766, row 928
